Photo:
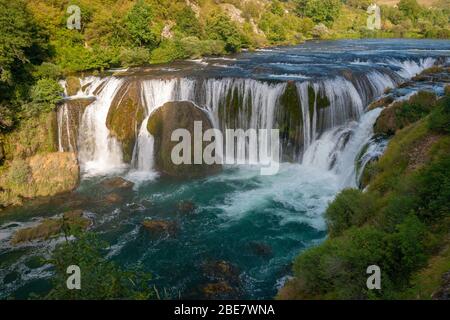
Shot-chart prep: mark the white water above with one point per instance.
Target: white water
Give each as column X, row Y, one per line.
column 99, row 152
column 325, row 130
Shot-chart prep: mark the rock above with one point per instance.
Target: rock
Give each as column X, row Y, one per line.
column 44, row 180
column 2, row 153
column 51, row 227
column 162, row 123
column 117, row 183
column 444, row 291
column 113, row 198
column 73, row 85
column 160, row 226
column 219, row 290
column 70, row 114
column 391, row 118
column 186, row 207
column 381, row 103
column 34, row 135
column 167, row 33
column 261, row 249
column 125, row 117
column 221, row 271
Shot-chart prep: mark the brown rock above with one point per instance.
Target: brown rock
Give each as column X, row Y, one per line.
column 164, row 121
column 160, row 226
column 218, row 290
column 125, row 117
column 186, row 207
column 113, row 198
column 117, row 183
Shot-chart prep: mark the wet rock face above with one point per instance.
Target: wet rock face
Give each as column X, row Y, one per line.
column 444, row 291
column 160, row 227
column 125, row 116
column 70, row 115
column 164, row 121
column 223, row 280
column 73, row 85
column 117, row 183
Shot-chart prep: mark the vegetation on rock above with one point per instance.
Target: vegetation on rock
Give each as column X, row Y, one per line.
column 400, row 223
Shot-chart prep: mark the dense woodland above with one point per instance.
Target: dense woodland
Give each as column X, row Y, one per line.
column 37, row 48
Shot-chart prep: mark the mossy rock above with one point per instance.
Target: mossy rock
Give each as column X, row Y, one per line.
column 2, row 153
column 34, row 135
column 290, row 122
column 71, row 124
column 35, row 177
column 161, row 124
column 125, row 116
column 73, row 85
column 51, row 227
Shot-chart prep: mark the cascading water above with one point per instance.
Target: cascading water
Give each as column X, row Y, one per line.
column 329, row 109
column 99, row 152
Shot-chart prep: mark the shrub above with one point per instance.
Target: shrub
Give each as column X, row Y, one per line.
column 220, row 27
column 47, row 70
column 168, row 51
column 102, row 279
column 139, row 25
column 351, row 207
column 19, row 173
column 130, row 57
column 320, row 11
column 439, row 120
column 46, row 93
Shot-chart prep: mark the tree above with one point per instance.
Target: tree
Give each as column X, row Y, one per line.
column 21, row 44
column 325, row 11
column 410, row 8
column 139, row 25
column 220, row 27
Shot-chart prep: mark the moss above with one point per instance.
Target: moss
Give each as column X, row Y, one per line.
column 124, row 117
column 35, row 177
column 33, row 136
column 290, row 120
column 69, row 223
column 73, row 85
column 171, row 116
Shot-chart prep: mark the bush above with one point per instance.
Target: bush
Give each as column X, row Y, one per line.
column 19, row 173
column 351, row 207
column 320, row 11
column 46, row 93
column 194, row 48
column 130, row 57
column 220, row 27
column 101, row 278
column 168, row 51
column 439, row 120
column 139, row 25
column 47, row 70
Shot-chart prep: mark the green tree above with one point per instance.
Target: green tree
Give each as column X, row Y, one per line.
column 220, row 27
column 21, row 44
column 325, row 11
column 101, row 278
column 139, row 25
column 410, row 8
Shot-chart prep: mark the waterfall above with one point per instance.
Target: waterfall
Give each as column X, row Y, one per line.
column 338, row 148
column 99, row 152
column 331, row 124
column 64, row 125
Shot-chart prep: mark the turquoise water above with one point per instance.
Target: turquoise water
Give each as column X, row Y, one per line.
column 258, row 224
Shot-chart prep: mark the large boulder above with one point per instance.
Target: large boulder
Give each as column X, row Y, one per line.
column 172, row 116
column 41, row 175
column 125, row 116
column 73, row 85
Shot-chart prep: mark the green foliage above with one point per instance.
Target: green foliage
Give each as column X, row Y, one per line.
column 130, row 57
column 139, row 25
column 397, row 223
column 47, row 70
column 410, row 8
column 187, row 23
column 46, row 93
column 415, row 108
column 439, row 120
column 325, row 11
column 101, row 279
column 195, row 48
column 220, row 27
column 168, row 51
column 351, row 207
column 19, row 173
